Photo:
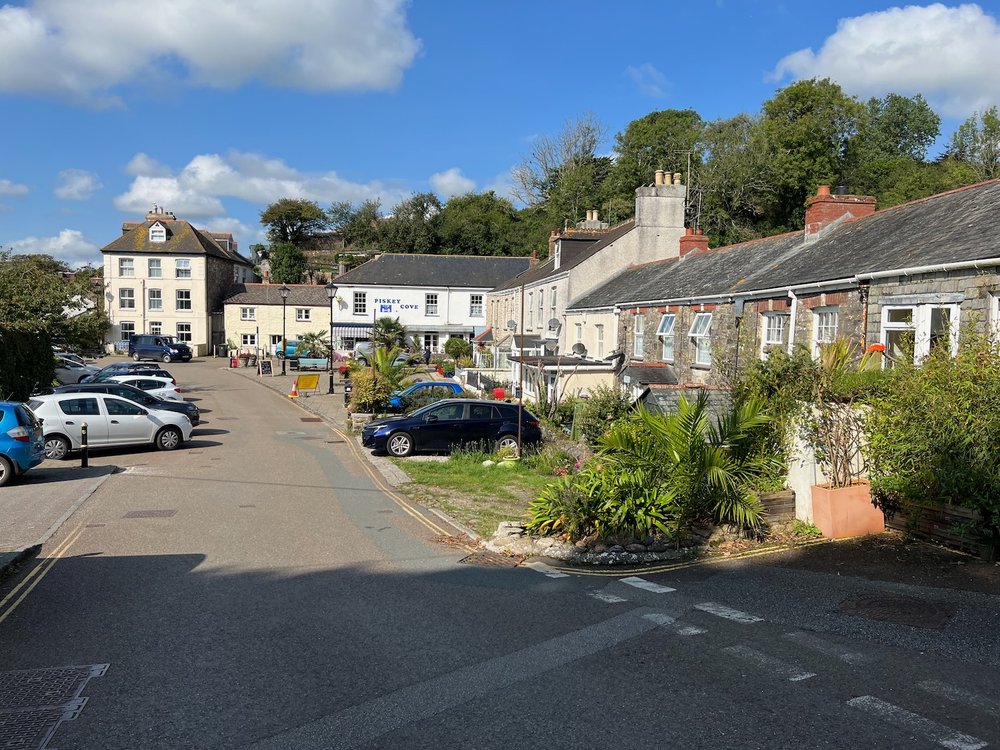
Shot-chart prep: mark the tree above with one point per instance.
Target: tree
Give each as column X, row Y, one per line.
column 313, row 345
column 480, row 224
column 360, row 227
column 389, row 333
column 977, row 143
column 412, row 227
column 660, row 140
column 292, row 220
column 457, row 347
column 288, row 263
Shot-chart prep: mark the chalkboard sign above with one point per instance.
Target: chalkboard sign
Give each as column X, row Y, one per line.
column 265, row 367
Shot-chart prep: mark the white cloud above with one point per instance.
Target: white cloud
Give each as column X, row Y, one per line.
column 945, row 53
column 503, row 186
column 76, row 184
column 69, row 246
column 143, row 164
column 649, row 79
column 84, row 51
column 12, row 189
column 451, row 182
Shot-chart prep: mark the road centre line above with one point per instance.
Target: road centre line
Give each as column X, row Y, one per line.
column 791, row 672
column 362, row 724
column 728, row 613
column 42, row 570
column 944, row 736
column 825, row 647
column 605, row 597
column 641, row 583
column 952, row 693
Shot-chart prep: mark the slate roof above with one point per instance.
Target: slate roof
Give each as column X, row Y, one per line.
column 651, row 375
column 412, row 269
column 182, row 239
column 961, row 225
column 309, row 295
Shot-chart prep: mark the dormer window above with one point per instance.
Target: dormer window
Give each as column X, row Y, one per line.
column 157, row 233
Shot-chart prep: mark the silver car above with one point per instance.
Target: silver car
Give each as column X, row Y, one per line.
column 111, row 421
column 69, row 370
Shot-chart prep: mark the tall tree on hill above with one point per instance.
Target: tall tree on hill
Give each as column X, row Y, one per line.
column 977, row 144
column 288, row 263
column 292, row 220
column 480, row 224
column 412, row 227
column 361, row 226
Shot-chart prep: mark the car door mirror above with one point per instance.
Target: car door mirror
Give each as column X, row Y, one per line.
column 431, row 418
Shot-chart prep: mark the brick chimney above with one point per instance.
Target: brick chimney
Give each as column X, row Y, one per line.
column 533, row 260
column 824, row 209
column 692, row 240
column 553, row 239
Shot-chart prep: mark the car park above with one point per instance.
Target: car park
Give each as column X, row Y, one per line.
column 111, row 422
column 422, row 393
column 452, row 423
column 127, row 368
column 21, row 441
column 165, row 388
column 143, row 398
column 156, row 346
column 70, row 370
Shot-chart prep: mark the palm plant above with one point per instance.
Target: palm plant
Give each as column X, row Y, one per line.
column 389, row 332
column 389, row 369
column 313, row 345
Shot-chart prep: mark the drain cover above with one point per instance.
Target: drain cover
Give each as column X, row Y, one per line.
column 310, row 419
column 902, row 610
column 487, row 559
column 33, row 702
column 150, row 514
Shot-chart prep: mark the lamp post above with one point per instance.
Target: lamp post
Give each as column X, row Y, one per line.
column 284, row 291
column 331, row 292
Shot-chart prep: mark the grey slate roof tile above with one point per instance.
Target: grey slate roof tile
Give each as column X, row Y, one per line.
column 412, row 269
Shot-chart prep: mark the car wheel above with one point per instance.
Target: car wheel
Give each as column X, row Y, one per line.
column 6, row 470
column 136, row 356
column 507, row 443
column 362, row 361
column 400, row 444
column 168, row 439
column 165, row 358
column 56, row 447
column 83, row 379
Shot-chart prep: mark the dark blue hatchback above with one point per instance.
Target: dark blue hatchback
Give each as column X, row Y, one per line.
column 21, row 445
column 452, row 423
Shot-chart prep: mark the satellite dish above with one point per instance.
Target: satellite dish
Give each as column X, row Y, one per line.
column 555, row 324
column 551, row 346
column 579, row 350
column 511, row 325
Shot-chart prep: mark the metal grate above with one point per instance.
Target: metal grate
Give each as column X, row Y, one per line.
column 33, row 702
column 487, row 559
column 150, row 514
column 310, row 419
column 901, row 610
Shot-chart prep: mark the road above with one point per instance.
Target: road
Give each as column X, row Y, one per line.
column 257, row 590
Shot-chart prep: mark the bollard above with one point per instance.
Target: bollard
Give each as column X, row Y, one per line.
column 84, row 452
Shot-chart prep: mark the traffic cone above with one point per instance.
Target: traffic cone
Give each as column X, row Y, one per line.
column 295, row 391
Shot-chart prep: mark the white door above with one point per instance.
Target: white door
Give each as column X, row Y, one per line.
column 128, row 422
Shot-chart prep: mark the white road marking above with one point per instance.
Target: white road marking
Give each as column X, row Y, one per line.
column 641, row 583
column 825, row 647
column 939, row 733
column 606, row 597
column 546, row 570
column 666, row 621
column 728, row 613
column 790, row 672
column 952, row 693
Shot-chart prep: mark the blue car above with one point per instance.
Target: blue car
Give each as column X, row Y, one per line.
column 423, row 392
column 21, row 444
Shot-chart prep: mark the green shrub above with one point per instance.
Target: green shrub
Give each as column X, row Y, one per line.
column 370, row 390
column 605, row 406
column 456, row 347
column 26, row 363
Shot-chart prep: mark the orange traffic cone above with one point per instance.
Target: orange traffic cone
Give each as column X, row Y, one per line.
column 295, row 387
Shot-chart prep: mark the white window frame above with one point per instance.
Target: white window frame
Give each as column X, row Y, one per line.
column 430, row 303
column 127, row 328
column 182, row 268
column 249, row 339
column 248, row 313
column 638, row 335
column 126, row 267
column 700, row 334
column 154, row 268
column 360, row 303
column 178, row 300
column 531, row 310
column 541, row 308
column 823, row 331
column 155, row 327
column 553, row 296
column 772, row 331
column 476, row 306
column 184, row 333
column 995, row 315
column 920, row 325
column 154, row 299
column 157, row 233
column 599, row 334
column 579, row 333
column 665, row 332
column 126, row 298
column 303, row 314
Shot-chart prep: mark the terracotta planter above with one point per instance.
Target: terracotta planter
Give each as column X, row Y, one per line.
column 845, row 511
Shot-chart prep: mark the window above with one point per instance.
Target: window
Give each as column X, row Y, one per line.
column 897, row 333
column 155, row 299
column 117, row 407
column 182, row 268
column 126, row 267
column 126, row 299
column 157, row 233
column 579, row 333
column 995, row 314
column 639, row 337
column 276, row 339
column 666, row 334
column 431, row 304
column 911, row 332
column 701, row 337
column 360, row 303
column 599, row 330
column 184, row 332
column 482, row 411
column 431, row 341
column 249, row 339
column 773, row 330
column 531, row 310
column 541, row 308
column 127, row 329
column 155, row 268
column 155, row 327
column 552, row 303
column 303, row 314
column 248, row 313
column 183, row 299
column 825, row 322
column 476, row 306
column 79, row 407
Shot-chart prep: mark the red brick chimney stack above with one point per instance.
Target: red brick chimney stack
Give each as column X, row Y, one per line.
column 823, row 209
column 692, row 240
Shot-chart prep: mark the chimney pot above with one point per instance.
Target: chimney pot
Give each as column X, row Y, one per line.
column 677, row 178
column 659, row 177
column 823, row 190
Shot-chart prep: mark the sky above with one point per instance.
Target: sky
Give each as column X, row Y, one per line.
column 213, row 110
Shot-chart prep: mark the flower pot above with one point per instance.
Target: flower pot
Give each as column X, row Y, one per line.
column 841, row 512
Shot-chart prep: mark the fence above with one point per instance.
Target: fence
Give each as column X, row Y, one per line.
column 484, row 381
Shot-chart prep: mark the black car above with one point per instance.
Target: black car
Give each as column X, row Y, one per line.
column 138, row 396
column 127, row 368
column 451, row 423
column 158, row 346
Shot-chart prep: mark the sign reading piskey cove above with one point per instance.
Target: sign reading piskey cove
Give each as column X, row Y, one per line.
column 265, row 367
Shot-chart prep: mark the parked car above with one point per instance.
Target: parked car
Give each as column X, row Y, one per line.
column 21, row 442
column 422, row 393
column 155, row 346
column 452, row 423
column 143, row 398
column 127, row 368
column 111, row 422
column 289, row 350
column 69, row 370
column 160, row 387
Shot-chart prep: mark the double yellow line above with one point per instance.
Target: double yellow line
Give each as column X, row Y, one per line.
column 11, row 602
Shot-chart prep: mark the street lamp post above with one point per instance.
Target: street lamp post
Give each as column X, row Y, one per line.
column 284, row 291
column 331, row 292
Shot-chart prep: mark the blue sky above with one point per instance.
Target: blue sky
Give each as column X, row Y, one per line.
column 213, row 110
